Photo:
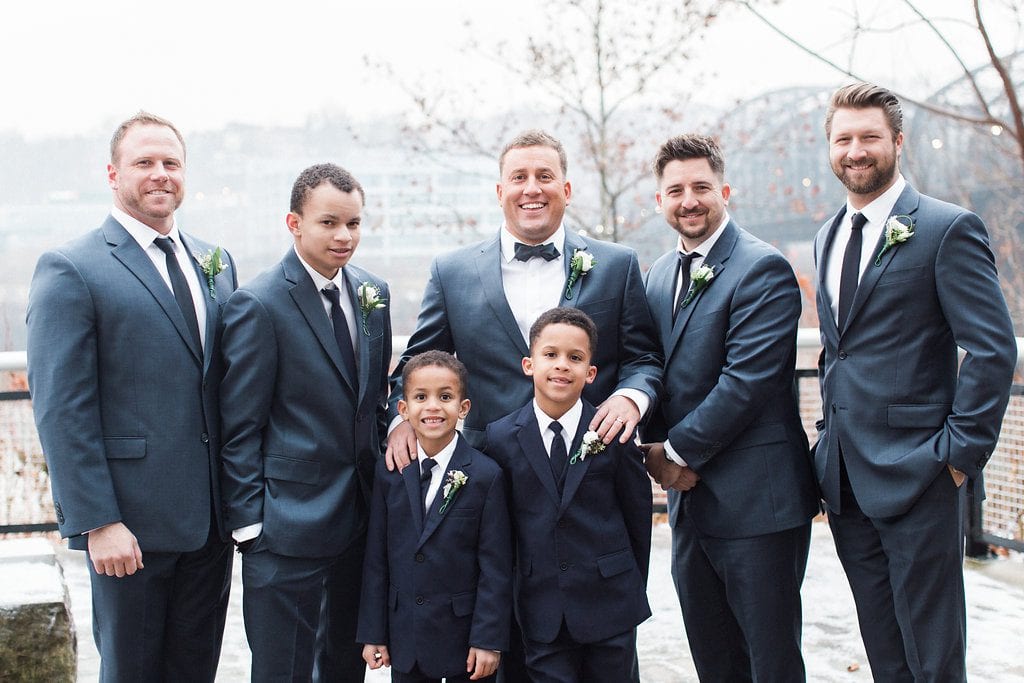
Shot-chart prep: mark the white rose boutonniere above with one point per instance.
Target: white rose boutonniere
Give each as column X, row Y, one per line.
column 898, row 229
column 699, row 281
column 581, row 263
column 591, row 445
column 455, row 481
column 369, row 301
column 212, row 266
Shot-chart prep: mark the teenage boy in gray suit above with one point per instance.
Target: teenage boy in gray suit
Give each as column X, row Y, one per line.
column 903, row 280
column 306, row 346
column 124, row 368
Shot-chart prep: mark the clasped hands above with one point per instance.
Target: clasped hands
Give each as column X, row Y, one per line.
column 668, row 474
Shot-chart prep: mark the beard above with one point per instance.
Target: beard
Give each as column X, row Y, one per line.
column 881, row 173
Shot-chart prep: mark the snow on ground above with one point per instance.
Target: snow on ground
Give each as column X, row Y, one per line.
column 995, row 628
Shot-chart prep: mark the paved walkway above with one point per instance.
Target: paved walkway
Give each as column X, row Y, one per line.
column 995, row 629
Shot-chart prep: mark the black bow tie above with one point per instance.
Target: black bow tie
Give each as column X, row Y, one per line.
column 525, row 252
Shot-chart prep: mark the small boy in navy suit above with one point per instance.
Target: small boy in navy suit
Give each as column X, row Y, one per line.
column 437, row 587
column 581, row 511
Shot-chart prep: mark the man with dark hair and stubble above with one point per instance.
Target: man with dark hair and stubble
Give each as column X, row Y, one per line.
column 307, row 345
column 124, row 368
column 903, row 281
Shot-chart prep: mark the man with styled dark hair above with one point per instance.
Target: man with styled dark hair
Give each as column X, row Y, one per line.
column 124, row 368
column 726, row 439
column 307, row 345
column 903, row 280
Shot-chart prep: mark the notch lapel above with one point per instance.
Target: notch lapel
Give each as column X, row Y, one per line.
column 194, row 248
column 460, row 461
column 411, row 477
column 826, row 319
column 574, row 476
column 532, row 446
column 488, row 268
column 716, row 259
column 572, row 243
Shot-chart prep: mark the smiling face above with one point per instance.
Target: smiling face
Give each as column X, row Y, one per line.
column 863, row 153
column 327, row 230
column 433, row 405
column 559, row 363
column 147, row 175
column 693, row 199
column 533, row 192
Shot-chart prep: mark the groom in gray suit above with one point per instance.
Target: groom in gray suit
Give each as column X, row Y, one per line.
column 124, row 369
column 727, row 434
column 482, row 299
column 903, row 280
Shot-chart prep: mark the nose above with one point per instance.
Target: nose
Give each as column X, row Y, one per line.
column 343, row 234
column 532, row 186
column 857, row 150
column 159, row 171
column 689, row 200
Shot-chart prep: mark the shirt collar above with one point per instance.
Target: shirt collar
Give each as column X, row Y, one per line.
column 878, row 211
column 704, row 248
column 443, row 456
column 508, row 242
column 570, row 421
column 319, row 281
column 142, row 233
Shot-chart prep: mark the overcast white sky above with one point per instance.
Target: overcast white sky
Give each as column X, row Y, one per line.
column 74, row 67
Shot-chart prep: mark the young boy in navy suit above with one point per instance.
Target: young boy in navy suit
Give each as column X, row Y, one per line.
column 437, row 587
column 581, row 512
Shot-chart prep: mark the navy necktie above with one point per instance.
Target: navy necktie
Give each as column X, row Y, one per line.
column 559, row 455
column 525, row 252
column 850, row 274
column 179, row 285
column 341, row 333
column 684, row 280
column 426, row 472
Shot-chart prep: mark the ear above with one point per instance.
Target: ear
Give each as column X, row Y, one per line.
column 498, row 189
column 403, row 409
column 899, row 144
column 568, row 192
column 112, row 176
column 657, row 198
column 726, row 191
column 464, row 408
column 591, row 374
column 294, row 223
column 528, row 366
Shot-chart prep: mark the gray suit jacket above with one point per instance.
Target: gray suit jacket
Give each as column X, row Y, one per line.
column 124, row 399
column 301, row 438
column 892, row 397
column 465, row 312
column 730, row 403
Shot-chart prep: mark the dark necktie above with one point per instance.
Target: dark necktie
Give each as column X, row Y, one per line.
column 559, row 455
column 341, row 333
column 525, row 252
column 426, row 471
column 851, row 268
column 179, row 285
column 684, row 280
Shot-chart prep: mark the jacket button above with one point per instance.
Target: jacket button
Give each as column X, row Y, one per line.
column 420, row 557
column 833, row 408
column 842, row 355
column 563, row 566
column 205, row 438
column 419, row 600
column 561, row 524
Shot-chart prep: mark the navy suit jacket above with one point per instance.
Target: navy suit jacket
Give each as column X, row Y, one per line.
column 465, row 312
column 730, row 404
column 891, row 394
column 125, row 401
column 581, row 556
column 301, row 438
column 434, row 588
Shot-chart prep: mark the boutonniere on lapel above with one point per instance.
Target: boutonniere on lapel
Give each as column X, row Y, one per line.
column 592, row 445
column 369, row 301
column 455, row 481
column 699, row 281
column 898, row 229
column 581, row 263
column 212, row 266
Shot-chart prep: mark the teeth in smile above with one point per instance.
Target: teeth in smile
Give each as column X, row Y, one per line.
column 533, row 206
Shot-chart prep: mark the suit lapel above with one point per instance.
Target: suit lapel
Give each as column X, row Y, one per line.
column 126, row 250
column 488, row 268
column 532, row 446
column 194, row 248
column 826, row 320
column 661, row 295
column 411, row 477
column 716, row 259
column 460, row 460
column 907, row 205
column 572, row 243
column 575, row 472
column 310, row 304
column 364, row 342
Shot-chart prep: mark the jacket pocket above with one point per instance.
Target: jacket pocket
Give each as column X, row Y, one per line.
column 291, row 469
column 125, row 447
column 918, row 415
column 463, row 603
column 616, row 563
column 759, row 435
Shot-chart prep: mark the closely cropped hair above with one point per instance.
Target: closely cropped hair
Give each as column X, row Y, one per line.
column 440, row 359
column 534, row 138
column 866, row 96
column 689, row 146
column 314, row 176
column 566, row 316
column 140, row 119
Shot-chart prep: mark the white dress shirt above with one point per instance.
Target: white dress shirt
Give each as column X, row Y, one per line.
column 570, row 423
column 442, row 459
column 146, row 236
column 319, row 281
column 534, row 286
column 877, row 213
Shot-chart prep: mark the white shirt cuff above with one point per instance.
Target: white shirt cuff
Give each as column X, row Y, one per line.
column 394, row 423
column 642, row 400
column 671, row 454
column 247, row 533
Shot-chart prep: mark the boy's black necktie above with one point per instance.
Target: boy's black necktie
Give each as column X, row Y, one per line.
column 426, row 471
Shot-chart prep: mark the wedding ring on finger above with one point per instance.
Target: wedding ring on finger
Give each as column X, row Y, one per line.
column 619, row 419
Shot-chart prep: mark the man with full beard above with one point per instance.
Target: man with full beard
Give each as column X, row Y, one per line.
column 903, row 280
